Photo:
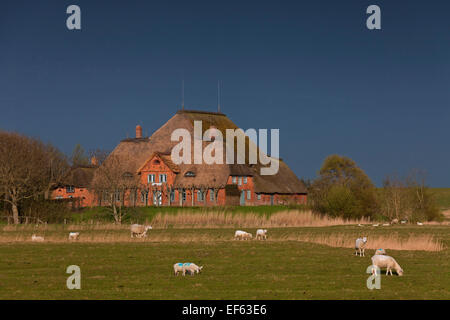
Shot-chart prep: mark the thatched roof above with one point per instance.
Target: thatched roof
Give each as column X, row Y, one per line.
column 136, row 152
column 79, row 177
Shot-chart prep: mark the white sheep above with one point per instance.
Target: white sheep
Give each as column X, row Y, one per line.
column 360, row 245
column 37, row 238
column 380, row 251
column 178, row 267
column 382, row 261
column 139, row 231
column 386, row 224
column 394, row 221
column 403, row 222
column 191, row 268
column 376, row 225
column 240, row 235
column 419, row 223
column 74, row 235
column 261, row 234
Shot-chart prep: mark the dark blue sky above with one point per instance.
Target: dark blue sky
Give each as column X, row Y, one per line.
column 310, row 68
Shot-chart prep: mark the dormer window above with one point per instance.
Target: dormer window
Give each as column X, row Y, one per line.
column 189, row 174
column 128, row 175
column 70, row 189
column 157, row 162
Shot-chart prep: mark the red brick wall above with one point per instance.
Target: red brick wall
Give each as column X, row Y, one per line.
column 86, row 197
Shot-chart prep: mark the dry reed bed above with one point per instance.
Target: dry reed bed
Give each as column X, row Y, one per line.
column 424, row 242
column 213, row 219
column 289, row 218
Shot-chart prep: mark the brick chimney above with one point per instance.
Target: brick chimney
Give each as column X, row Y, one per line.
column 138, row 132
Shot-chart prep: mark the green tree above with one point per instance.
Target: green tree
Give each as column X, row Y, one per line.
column 343, row 189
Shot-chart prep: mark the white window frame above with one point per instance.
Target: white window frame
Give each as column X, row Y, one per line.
column 240, row 181
column 245, row 180
column 249, row 195
column 234, row 179
column 211, row 195
column 151, row 178
column 162, row 177
column 258, row 196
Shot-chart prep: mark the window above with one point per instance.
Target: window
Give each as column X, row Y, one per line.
column 117, row 196
column 258, row 196
column 151, row 178
column 240, row 181
column 200, row 195
column 70, row 189
column 211, row 194
column 184, row 195
column 189, row 174
column 163, row 178
column 172, row 196
column 249, row 195
column 156, row 162
column 245, row 180
column 234, row 179
column 144, row 197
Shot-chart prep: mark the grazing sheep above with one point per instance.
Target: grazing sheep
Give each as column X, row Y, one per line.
column 74, row 235
column 380, row 251
column 261, row 234
column 191, row 268
column 242, row 235
column 403, row 222
column 382, row 261
column 360, row 225
column 37, row 238
column 248, row 236
column 386, row 224
column 376, row 225
column 178, row 267
column 394, row 221
column 419, row 223
column 139, row 231
column 360, row 245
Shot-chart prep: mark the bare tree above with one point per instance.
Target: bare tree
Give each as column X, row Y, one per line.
column 58, row 167
column 114, row 183
column 25, row 164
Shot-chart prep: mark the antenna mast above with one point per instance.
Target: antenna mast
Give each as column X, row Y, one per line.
column 182, row 94
column 218, row 96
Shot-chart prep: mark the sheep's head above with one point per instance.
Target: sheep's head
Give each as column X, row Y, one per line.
column 250, row 235
column 148, row 228
column 400, row 272
column 364, row 239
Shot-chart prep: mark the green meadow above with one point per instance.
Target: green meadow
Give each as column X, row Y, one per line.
column 279, row 268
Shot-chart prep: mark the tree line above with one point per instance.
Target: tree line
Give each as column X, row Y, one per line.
column 30, row 169
column 343, row 189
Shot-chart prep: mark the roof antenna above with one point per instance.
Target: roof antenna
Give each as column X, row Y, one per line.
column 182, row 94
column 218, row 96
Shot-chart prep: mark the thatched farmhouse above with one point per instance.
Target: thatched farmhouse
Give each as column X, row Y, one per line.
column 140, row 172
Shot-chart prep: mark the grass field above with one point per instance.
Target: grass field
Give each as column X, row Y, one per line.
column 289, row 265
